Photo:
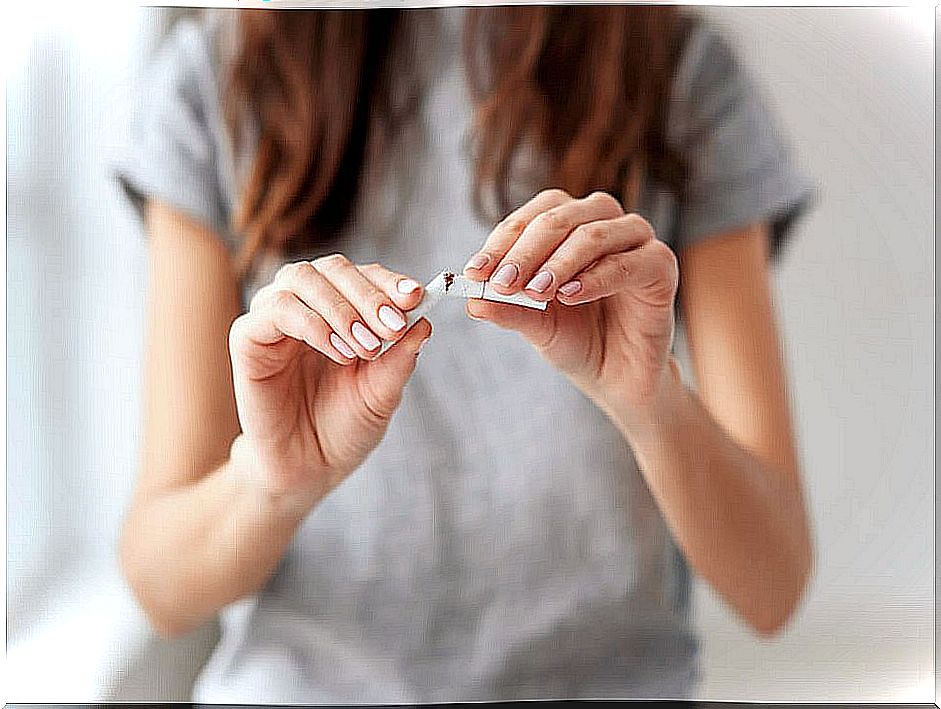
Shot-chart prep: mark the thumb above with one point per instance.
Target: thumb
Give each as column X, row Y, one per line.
column 535, row 325
column 386, row 376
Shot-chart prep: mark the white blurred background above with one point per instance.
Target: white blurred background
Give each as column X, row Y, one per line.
column 855, row 90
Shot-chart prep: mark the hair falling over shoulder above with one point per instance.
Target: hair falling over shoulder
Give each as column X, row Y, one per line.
column 587, row 86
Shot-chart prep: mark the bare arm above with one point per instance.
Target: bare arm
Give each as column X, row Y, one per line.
column 251, row 419
column 198, row 534
column 722, row 464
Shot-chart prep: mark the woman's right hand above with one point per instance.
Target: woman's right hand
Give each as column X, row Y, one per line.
column 312, row 398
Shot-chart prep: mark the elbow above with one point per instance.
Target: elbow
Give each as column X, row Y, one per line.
column 773, row 620
column 145, row 586
column 163, row 624
column 162, row 621
column 770, row 627
column 166, row 628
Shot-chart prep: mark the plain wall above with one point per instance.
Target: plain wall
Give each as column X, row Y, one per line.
column 854, row 89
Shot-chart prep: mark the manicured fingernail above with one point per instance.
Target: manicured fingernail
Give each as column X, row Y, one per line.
column 506, row 275
column 476, row 262
column 364, row 336
column 391, row 318
column 343, row 348
column 407, row 285
column 540, row 282
column 570, row 288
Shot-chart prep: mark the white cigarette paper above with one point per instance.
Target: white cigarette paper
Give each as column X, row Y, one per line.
column 465, row 288
column 447, row 283
column 434, row 292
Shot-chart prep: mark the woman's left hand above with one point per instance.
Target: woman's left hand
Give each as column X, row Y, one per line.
column 612, row 283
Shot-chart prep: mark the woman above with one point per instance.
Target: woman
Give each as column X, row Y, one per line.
column 514, row 514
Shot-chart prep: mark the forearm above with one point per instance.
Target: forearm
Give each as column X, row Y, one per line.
column 192, row 550
column 742, row 532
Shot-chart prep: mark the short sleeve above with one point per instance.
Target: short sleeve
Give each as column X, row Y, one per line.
column 742, row 166
column 176, row 149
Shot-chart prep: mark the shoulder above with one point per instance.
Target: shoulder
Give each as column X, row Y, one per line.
column 188, row 81
column 189, row 59
column 177, row 148
column 710, row 78
column 743, row 165
column 708, row 54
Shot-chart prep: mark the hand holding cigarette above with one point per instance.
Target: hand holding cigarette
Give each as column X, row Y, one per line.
column 311, row 401
column 613, row 283
column 312, row 393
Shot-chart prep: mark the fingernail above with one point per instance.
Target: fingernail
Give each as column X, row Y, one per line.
column 506, row 275
column 391, row 318
column 364, row 336
column 343, row 348
column 407, row 285
column 570, row 288
column 540, row 282
column 476, row 262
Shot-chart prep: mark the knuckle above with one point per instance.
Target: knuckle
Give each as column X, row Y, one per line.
column 556, row 218
column 666, row 263
column 551, row 220
column 663, row 253
column 513, row 225
column 331, row 262
column 673, row 269
column 238, row 339
column 604, row 198
column 258, row 300
column 596, row 232
column 295, row 272
column 285, row 272
column 554, row 193
column 282, row 299
column 341, row 308
column 637, row 222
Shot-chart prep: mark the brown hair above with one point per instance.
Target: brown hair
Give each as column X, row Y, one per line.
column 587, row 86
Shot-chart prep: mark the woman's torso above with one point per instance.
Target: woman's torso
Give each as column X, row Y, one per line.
column 500, row 542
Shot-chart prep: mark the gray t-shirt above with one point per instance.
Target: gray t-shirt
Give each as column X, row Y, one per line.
column 500, row 542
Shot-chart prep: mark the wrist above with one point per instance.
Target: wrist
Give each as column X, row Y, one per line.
column 660, row 407
column 251, row 478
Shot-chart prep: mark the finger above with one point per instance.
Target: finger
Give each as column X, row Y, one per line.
column 385, row 377
column 534, row 325
column 590, row 242
column 319, row 294
column 405, row 292
column 545, row 232
column 482, row 264
column 280, row 314
column 650, row 272
column 378, row 310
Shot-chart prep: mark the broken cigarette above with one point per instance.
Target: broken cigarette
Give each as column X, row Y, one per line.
column 462, row 287
column 449, row 284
